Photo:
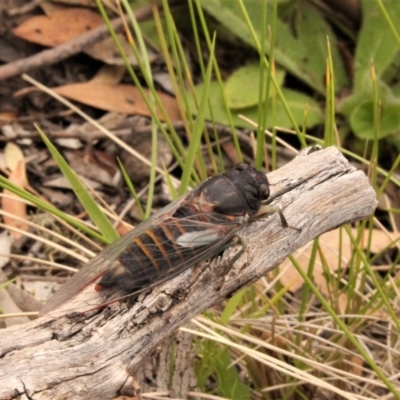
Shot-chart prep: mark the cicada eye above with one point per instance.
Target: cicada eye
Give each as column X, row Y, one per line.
column 260, row 183
column 256, row 192
column 264, row 191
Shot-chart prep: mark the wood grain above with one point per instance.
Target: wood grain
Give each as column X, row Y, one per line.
column 96, row 356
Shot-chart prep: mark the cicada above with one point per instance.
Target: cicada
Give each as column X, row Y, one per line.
column 192, row 229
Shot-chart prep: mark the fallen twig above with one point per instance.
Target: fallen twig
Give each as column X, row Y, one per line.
column 59, row 53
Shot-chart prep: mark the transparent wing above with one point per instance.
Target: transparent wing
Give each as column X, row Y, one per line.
column 96, row 267
column 197, row 241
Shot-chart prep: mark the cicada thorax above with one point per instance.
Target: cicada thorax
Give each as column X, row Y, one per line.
column 239, row 191
column 187, row 237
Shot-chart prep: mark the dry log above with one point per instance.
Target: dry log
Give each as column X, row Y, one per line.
column 96, row 356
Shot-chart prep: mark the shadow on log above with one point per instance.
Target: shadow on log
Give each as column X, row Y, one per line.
column 96, row 356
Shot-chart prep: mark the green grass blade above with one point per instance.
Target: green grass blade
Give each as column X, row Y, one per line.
column 132, row 189
column 330, row 100
column 198, row 127
column 91, row 207
column 342, row 325
column 23, row 194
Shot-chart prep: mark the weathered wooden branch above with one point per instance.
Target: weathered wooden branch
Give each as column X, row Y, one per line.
column 96, row 356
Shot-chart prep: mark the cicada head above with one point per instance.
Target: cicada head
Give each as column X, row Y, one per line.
column 239, row 191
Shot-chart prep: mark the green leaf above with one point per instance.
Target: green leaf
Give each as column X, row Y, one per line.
column 362, row 120
column 312, row 31
column 376, row 42
column 205, row 365
column 296, row 101
column 395, row 141
column 91, row 207
column 390, row 74
column 229, row 383
column 302, row 52
column 150, row 32
column 348, row 104
column 396, row 90
column 242, row 87
column 231, row 306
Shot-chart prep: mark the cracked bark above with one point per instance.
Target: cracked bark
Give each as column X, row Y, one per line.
column 98, row 355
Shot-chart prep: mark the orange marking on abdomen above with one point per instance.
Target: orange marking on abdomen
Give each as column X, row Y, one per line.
column 160, row 246
column 172, row 239
column 147, row 252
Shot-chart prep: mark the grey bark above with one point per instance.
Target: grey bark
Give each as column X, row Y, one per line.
column 97, row 356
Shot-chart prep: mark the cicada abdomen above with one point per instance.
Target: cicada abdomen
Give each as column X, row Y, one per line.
column 164, row 250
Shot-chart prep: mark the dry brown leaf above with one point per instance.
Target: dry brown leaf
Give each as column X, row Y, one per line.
column 95, row 166
column 50, row 6
column 13, row 156
column 61, row 26
column 380, row 240
column 58, row 27
column 125, row 99
column 109, row 74
column 11, row 203
column 329, row 244
column 6, row 117
column 390, row 199
column 357, row 365
column 105, row 51
column 123, row 228
column 230, row 151
column 342, row 303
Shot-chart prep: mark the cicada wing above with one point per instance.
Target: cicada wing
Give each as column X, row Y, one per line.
column 198, row 241
column 151, row 261
column 89, row 273
column 96, row 267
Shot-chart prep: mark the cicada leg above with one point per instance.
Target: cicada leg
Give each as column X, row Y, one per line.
column 227, row 265
column 269, row 209
column 236, row 240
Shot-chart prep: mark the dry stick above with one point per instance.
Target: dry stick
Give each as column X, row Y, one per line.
column 96, row 356
column 96, row 135
column 56, row 54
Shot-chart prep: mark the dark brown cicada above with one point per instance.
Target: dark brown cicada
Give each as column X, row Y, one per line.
column 192, row 229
